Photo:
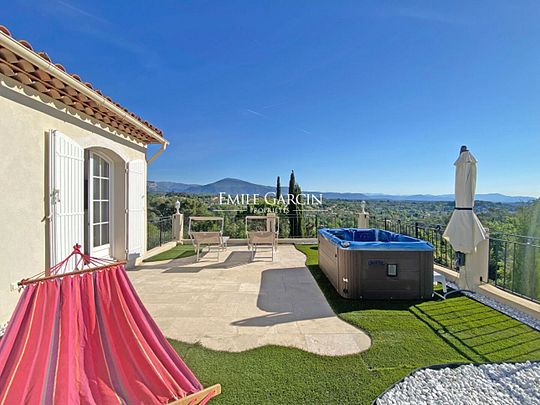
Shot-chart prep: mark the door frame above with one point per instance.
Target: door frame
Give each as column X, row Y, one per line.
column 107, row 249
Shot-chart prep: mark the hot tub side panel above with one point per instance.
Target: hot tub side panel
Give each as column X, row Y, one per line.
column 426, row 274
column 366, row 273
column 349, row 263
column 327, row 254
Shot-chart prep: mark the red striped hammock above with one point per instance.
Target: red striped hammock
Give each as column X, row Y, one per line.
column 86, row 338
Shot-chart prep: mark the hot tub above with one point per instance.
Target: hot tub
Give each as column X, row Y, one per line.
column 376, row 264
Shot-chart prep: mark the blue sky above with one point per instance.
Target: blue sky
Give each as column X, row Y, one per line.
column 366, row 96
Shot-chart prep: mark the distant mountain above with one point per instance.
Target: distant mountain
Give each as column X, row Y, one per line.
column 168, row 187
column 236, row 186
column 230, row 186
column 490, row 197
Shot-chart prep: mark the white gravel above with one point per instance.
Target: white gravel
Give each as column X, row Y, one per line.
column 487, row 384
column 505, row 309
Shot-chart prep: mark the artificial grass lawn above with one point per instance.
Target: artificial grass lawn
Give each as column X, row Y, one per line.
column 405, row 335
column 176, row 252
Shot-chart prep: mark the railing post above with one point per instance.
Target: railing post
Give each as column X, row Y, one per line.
column 488, row 260
column 385, row 224
column 363, row 217
column 504, row 262
column 416, row 230
column 513, row 267
column 178, row 228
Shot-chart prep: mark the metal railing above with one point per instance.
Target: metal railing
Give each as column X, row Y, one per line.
column 310, row 223
column 514, row 264
column 159, row 232
column 514, row 260
column 443, row 254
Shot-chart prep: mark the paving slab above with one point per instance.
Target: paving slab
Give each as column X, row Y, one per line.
column 236, row 305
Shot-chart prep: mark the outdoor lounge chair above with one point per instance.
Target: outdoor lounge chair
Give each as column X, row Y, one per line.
column 213, row 240
column 267, row 239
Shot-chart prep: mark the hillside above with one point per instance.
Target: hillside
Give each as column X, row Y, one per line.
column 237, row 186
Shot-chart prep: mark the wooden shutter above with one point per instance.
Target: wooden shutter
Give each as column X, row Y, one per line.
column 136, row 207
column 66, row 195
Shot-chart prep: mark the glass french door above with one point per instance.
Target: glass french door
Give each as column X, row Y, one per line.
column 99, row 207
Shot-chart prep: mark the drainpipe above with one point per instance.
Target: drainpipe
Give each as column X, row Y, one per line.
column 158, row 152
column 126, row 211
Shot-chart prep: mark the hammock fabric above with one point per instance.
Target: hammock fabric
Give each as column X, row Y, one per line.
column 85, row 338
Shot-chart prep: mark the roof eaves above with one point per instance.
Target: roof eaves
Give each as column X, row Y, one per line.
column 24, row 50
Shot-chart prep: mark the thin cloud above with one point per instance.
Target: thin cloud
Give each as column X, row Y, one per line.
column 101, row 29
column 426, row 15
column 257, row 113
column 273, row 105
column 82, row 12
column 420, row 14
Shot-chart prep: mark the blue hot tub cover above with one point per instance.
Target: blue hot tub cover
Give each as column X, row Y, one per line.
column 373, row 239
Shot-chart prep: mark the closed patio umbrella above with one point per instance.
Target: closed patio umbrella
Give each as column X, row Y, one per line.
column 465, row 231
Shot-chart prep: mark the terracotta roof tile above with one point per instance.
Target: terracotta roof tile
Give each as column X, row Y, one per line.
column 26, row 44
column 82, row 97
column 39, row 87
column 26, row 66
column 71, row 91
column 23, row 78
column 57, row 83
column 8, row 56
column 6, row 70
column 41, row 75
column 45, row 56
column 47, row 83
column 67, row 100
column 54, row 94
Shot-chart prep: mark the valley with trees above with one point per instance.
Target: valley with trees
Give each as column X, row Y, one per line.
column 514, row 227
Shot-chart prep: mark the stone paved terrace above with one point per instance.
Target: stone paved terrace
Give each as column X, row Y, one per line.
column 235, row 305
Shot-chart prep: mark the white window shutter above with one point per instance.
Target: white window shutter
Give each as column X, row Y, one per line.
column 136, row 207
column 66, row 188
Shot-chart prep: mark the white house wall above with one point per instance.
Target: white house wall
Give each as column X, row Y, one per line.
column 25, row 119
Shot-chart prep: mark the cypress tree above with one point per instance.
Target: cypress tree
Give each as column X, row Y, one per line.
column 292, row 182
column 292, row 207
column 278, row 188
column 299, row 212
column 296, row 210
